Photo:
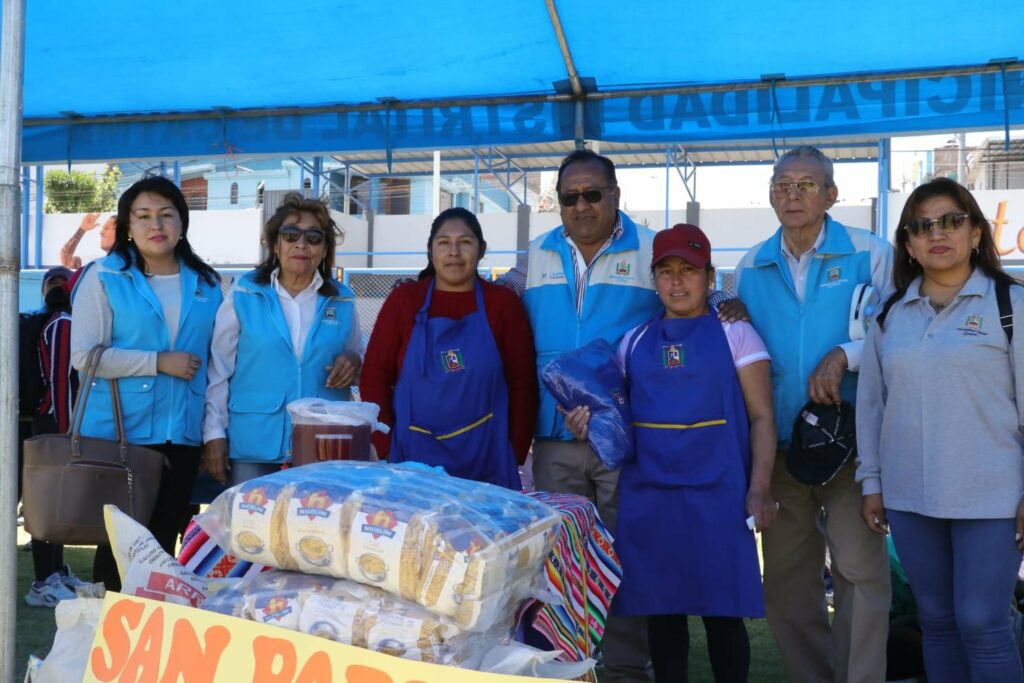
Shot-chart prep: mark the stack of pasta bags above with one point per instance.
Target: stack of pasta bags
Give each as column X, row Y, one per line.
column 404, row 559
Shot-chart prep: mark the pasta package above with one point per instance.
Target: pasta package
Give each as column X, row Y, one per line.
column 460, row 549
column 347, row 612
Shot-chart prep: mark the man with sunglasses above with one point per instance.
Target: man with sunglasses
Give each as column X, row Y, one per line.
column 589, row 277
column 798, row 286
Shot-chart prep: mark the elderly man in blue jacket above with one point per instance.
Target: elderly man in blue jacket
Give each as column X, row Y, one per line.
column 798, row 286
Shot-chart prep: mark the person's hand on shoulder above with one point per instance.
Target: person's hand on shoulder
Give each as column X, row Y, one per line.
column 577, row 421
column 344, row 370
column 823, row 384
column 732, row 311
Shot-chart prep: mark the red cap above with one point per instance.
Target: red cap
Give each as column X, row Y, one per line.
column 686, row 241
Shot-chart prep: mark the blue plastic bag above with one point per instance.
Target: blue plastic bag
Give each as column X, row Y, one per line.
column 590, row 376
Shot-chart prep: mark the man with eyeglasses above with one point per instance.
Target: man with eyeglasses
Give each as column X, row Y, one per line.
column 798, row 286
column 587, row 278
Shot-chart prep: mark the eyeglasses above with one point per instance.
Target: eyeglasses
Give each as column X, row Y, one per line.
column 806, row 188
column 292, row 233
column 589, row 196
column 949, row 223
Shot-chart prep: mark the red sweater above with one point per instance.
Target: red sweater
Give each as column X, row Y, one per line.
column 506, row 316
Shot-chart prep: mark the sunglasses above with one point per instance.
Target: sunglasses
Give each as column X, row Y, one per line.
column 589, row 196
column 292, row 233
column 949, row 223
column 806, row 188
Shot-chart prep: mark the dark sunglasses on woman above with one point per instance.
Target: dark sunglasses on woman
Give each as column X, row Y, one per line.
column 949, row 222
column 292, row 233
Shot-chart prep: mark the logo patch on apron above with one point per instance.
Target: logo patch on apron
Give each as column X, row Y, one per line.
column 834, row 273
column 974, row 322
column 622, row 268
column 330, row 313
column 452, row 361
column 672, row 356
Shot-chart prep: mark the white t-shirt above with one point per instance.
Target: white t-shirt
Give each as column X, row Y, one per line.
column 168, row 290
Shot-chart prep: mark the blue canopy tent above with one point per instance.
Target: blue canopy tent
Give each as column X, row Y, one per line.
column 118, row 80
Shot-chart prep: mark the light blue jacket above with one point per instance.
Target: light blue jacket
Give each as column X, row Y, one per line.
column 161, row 408
column 798, row 335
column 268, row 375
column 620, row 295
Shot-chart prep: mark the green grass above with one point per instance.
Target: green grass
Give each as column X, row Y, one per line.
column 36, row 627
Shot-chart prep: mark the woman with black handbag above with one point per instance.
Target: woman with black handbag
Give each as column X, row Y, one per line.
column 152, row 301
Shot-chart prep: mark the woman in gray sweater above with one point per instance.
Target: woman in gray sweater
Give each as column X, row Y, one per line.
column 939, row 433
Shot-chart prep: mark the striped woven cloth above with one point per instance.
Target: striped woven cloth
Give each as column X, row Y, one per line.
column 201, row 556
column 585, row 571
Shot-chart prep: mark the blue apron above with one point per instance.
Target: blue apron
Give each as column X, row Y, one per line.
column 451, row 399
column 682, row 536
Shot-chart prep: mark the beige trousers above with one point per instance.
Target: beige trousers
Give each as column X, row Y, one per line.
column 852, row 648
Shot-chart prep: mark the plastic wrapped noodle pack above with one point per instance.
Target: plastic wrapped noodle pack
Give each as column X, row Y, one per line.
column 458, row 548
column 355, row 614
column 590, row 376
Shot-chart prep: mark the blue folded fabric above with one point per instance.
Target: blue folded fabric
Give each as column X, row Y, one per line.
column 589, row 376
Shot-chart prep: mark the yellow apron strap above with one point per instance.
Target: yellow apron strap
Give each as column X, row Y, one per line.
column 457, row 432
column 665, row 425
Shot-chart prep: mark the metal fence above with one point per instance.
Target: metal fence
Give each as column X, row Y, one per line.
column 372, row 286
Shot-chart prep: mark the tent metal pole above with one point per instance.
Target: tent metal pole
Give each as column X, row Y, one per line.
column 668, row 170
column 563, row 45
column 437, row 182
column 318, row 170
column 348, row 188
column 26, row 204
column 578, row 94
column 884, row 174
column 40, row 187
column 176, row 171
column 12, row 66
column 476, row 182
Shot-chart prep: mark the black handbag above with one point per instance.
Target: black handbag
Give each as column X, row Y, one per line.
column 68, row 478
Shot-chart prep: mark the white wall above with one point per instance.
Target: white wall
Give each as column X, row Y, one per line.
column 231, row 237
column 220, row 237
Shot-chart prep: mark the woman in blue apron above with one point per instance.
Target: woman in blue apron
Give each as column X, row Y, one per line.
column 700, row 394
column 450, row 362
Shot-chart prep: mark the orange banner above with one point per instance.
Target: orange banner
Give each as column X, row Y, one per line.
column 142, row 641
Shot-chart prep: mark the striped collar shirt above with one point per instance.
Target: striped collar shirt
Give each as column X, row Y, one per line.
column 580, row 265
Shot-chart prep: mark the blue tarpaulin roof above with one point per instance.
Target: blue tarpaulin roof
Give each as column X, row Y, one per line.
column 122, row 80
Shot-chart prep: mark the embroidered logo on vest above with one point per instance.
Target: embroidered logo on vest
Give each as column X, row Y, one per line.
column 672, row 356
column 452, row 361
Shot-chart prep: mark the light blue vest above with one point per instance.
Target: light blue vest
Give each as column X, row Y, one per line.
column 620, row 295
column 163, row 408
column 268, row 375
column 799, row 335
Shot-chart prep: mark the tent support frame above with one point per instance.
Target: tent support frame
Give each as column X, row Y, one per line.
column 12, row 71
